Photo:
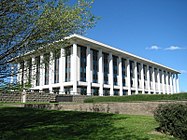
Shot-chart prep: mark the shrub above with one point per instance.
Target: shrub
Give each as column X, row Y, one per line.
column 172, row 119
column 132, row 98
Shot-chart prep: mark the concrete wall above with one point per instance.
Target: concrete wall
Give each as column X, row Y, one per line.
column 136, row 108
column 10, row 97
column 30, row 97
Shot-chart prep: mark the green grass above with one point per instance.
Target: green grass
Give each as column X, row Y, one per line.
column 33, row 124
column 139, row 97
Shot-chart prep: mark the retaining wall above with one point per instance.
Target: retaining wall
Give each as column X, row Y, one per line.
column 30, row 97
column 136, row 108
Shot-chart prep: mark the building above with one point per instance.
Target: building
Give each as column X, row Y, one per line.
column 93, row 68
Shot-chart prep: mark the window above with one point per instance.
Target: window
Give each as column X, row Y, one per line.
column 106, row 92
column 67, row 90
column 95, row 66
column 68, row 64
column 123, row 72
column 29, row 65
column 56, row 67
column 132, row 69
column 116, row 92
column 56, row 90
column 115, row 70
column 145, row 72
column 83, row 64
column 124, row 92
column 37, row 59
column 95, row 91
column 46, row 65
column 106, row 68
column 155, row 70
column 22, row 67
column 82, row 90
column 150, row 73
column 160, row 72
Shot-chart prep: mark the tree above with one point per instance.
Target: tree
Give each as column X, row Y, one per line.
column 27, row 25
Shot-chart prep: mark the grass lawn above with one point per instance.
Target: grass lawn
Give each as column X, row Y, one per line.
column 139, row 97
column 33, row 124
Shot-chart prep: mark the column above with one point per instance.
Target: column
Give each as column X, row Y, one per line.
column 61, row 71
column 142, row 79
column 74, row 69
column 167, row 82
column 12, row 74
column 51, row 72
column 136, row 77
column 154, row 82
column 41, row 72
column 163, row 82
column 18, row 73
column 148, row 80
column 158, row 81
column 100, row 78
column 177, row 82
column 128, row 77
column 111, row 75
column 88, row 71
column 33, row 73
column 120, row 77
column 171, row 83
column 25, row 73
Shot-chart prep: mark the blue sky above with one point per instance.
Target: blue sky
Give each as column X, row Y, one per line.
column 153, row 29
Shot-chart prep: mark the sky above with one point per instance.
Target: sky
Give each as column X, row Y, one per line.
column 152, row 29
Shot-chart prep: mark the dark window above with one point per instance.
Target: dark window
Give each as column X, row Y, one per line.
column 124, row 92
column 106, row 68
column 22, row 67
column 95, row 91
column 67, row 90
column 150, row 73
column 123, row 72
column 115, row 70
column 132, row 69
column 155, row 70
column 82, row 63
column 116, row 92
column 144, row 71
column 106, row 92
column 29, row 65
column 83, row 90
column 37, row 59
column 56, row 90
column 68, row 64
column 46, row 65
column 95, row 66
column 164, row 77
column 56, row 67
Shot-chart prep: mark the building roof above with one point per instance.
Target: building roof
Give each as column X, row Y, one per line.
column 87, row 41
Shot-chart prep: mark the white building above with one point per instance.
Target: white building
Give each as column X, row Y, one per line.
column 93, row 68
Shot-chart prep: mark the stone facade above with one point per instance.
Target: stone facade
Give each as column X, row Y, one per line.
column 136, row 108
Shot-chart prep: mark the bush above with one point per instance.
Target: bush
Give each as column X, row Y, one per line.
column 139, row 97
column 172, row 119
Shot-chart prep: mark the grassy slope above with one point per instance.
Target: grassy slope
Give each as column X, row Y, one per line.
column 32, row 124
column 179, row 97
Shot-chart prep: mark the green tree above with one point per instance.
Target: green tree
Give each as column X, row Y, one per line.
column 27, row 25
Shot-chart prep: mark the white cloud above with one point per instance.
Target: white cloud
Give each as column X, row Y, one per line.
column 154, row 47
column 172, row 48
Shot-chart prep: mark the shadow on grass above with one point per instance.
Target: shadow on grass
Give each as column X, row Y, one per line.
column 33, row 124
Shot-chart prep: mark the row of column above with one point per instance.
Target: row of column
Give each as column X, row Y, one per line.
column 158, row 87
column 172, row 88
